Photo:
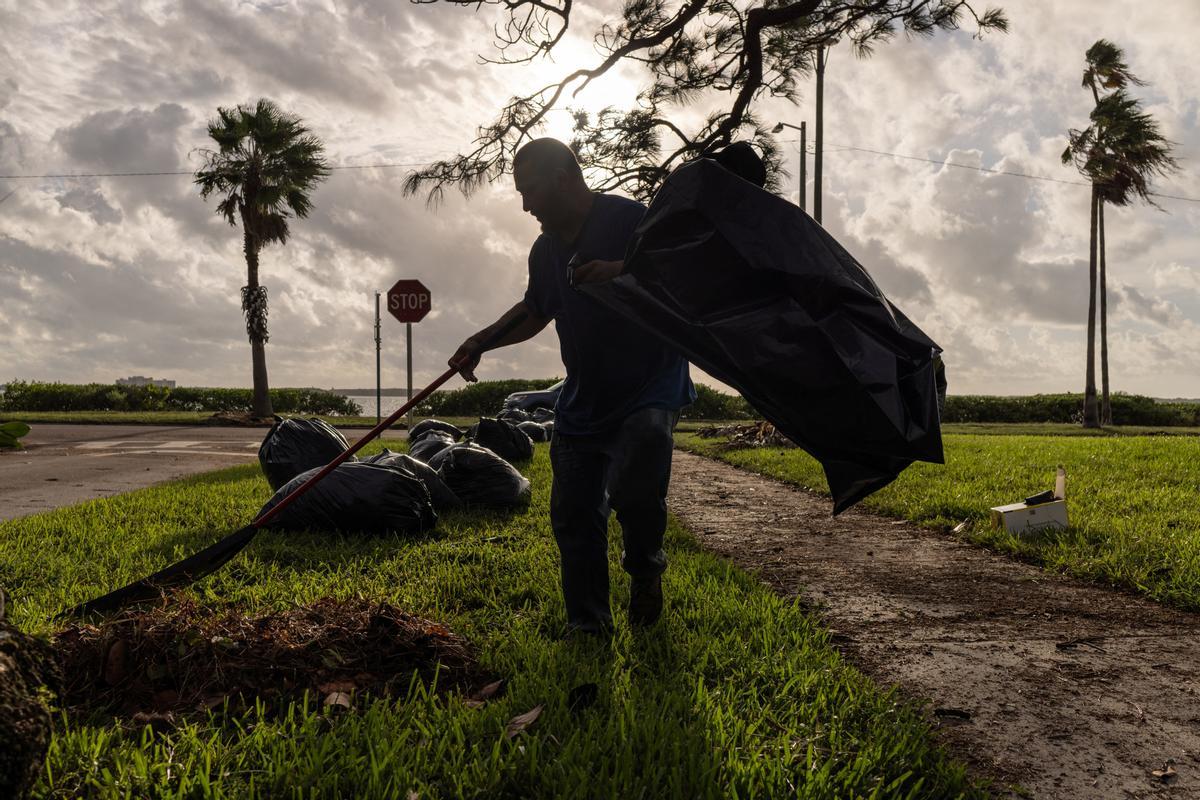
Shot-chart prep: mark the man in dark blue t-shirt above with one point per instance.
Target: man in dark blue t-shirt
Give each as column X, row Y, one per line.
column 613, row 425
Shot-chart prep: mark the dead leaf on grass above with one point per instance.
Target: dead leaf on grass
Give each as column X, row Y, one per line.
column 522, row 721
column 337, row 701
column 489, row 691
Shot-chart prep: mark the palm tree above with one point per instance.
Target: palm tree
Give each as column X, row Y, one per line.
column 1118, row 153
column 266, row 165
column 1135, row 150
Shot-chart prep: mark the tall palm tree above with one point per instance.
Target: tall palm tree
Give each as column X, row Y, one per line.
column 266, row 165
column 1118, row 153
column 1134, row 151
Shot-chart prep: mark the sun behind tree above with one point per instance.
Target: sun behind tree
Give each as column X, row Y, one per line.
column 266, row 166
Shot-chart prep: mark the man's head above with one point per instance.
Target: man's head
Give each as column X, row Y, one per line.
column 550, row 183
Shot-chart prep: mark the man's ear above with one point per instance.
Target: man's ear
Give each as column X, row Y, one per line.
column 562, row 180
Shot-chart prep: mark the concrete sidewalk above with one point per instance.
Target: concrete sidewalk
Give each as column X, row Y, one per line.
column 1063, row 688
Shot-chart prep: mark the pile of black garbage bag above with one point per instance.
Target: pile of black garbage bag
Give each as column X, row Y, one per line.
column 383, row 494
column 395, row 492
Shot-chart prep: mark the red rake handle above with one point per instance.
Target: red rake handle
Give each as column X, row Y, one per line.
column 275, row 510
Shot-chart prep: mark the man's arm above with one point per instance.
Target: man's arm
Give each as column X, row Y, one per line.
column 466, row 358
column 598, row 271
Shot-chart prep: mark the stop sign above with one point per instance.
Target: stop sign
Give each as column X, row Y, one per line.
column 408, row 301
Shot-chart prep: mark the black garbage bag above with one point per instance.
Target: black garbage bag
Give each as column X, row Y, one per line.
column 503, row 438
column 754, row 292
column 515, row 415
column 370, row 498
column 542, row 415
column 296, row 445
column 439, row 492
column 535, row 431
column 480, row 477
column 431, row 444
column 425, row 426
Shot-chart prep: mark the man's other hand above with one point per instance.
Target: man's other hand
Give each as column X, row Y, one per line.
column 466, row 359
column 598, row 271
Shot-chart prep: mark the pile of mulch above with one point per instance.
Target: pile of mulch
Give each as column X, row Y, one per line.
column 238, row 418
column 759, row 434
column 151, row 664
column 26, row 668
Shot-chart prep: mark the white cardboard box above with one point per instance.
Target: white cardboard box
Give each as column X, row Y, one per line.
column 1019, row 518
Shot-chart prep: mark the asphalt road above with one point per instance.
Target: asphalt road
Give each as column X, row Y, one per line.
column 65, row 464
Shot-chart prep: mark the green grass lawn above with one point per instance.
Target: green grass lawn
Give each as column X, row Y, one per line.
column 1132, row 501
column 736, row 693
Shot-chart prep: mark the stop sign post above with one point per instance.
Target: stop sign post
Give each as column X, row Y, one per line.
column 409, row 302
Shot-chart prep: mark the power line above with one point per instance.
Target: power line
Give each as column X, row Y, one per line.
column 183, row 172
column 839, row 148
column 844, row 147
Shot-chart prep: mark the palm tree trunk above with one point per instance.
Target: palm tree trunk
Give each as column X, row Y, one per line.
column 1105, row 405
column 1090, row 418
column 254, row 306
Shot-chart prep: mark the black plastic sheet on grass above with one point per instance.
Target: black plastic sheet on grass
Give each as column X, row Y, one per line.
column 754, row 292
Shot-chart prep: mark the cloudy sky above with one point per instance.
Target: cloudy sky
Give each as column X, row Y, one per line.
column 106, row 277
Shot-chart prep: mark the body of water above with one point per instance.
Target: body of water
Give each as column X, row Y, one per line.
column 367, row 403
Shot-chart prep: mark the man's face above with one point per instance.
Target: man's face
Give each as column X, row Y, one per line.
column 541, row 194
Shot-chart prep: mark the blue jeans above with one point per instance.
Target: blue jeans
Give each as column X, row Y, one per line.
column 626, row 470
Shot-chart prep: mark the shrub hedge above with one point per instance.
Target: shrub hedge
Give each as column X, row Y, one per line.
column 711, row 404
column 1128, row 409
column 35, row 396
column 486, row 398
column 483, row 398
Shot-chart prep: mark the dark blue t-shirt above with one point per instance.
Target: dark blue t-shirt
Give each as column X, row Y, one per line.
column 613, row 366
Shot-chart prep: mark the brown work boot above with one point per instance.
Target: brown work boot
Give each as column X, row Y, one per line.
column 645, row 601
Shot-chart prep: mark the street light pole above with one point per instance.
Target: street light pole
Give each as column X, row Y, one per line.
column 803, row 128
column 817, row 157
column 803, row 166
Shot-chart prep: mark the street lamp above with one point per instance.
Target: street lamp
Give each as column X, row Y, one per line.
column 822, row 58
column 802, row 127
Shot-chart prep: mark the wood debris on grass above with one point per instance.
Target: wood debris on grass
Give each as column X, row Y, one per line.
column 758, row 434
column 188, row 658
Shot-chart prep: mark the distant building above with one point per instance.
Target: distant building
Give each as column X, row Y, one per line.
column 142, row 380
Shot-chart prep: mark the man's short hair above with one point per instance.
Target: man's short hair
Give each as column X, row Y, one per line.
column 548, row 154
column 741, row 159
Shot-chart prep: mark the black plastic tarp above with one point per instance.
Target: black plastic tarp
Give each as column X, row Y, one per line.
column 757, row 294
